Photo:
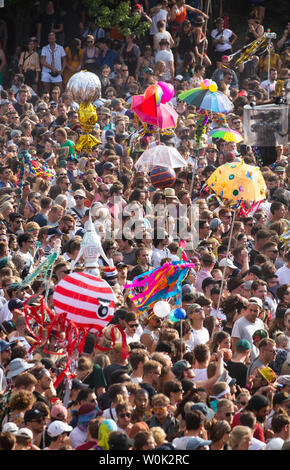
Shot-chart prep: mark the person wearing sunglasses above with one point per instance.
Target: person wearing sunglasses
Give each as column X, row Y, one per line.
column 124, row 417
column 133, row 328
column 60, row 271
column 79, row 209
column 162, row 416
column 199, row 334
column 225, row 410
column 34, row 420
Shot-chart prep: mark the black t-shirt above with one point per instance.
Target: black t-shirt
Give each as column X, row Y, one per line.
column 48, row 22
column 108, row 370
column 238, row 371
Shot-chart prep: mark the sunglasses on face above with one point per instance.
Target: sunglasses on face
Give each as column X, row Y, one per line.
column 78, row 197
column 125, row 415
column 230, row 413
column 198, row 310
column 158, row 410
column 134, row 325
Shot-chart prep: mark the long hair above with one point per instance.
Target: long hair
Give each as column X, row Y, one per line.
column 75, row 51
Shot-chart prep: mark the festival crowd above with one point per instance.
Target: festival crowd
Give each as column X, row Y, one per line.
column 218, row 379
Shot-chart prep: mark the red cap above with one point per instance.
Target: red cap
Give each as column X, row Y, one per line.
column 137, row 7
column 243, row 93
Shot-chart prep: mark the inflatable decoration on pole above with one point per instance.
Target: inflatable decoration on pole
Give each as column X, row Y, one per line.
column 152, row 289
column 85, row 88
column 32, row 165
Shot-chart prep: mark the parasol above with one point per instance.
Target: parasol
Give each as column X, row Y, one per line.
column 227, row 134
column 207, row 97
column 161, row 155
column 164, row 116
column 238, row 184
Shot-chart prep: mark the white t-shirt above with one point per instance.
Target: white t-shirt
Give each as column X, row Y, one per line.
column 198, row 337
column 180, row 443
column 167, row 57
column 164, row 35
column 5, row 314
column 77, row 437
column 275, row 444
column 133, row 339
column 58, row 53
column 257, row 444
column 158, row 255
column 266, row 84
column 244, row 329
column 161, row 15
column 217, row 35
column 283, row 275
column 28, row 260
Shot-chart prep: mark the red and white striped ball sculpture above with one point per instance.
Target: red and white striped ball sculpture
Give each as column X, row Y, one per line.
column 87, row 300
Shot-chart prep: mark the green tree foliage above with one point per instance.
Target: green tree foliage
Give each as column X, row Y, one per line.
column 115, row 14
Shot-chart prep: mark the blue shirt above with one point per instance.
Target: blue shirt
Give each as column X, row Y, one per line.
column 107, row 59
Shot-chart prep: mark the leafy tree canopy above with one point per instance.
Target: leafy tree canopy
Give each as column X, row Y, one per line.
column 115, row 14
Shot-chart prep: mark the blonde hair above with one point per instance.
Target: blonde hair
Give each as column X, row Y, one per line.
column 159, row 435
column 237, row 435
column 159, row 67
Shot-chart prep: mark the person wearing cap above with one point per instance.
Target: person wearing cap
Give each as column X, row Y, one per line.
column 86, row 413
column 197, row 443
column 229, row 267
column 245, row 326
column 281, row 400
column 110, row 139
column 237, row 366
column 220, row 72
column 44, row 384
column 57, row 431
column 24, row 439
column 217, row 228
column 34, row 421
column 79, row 209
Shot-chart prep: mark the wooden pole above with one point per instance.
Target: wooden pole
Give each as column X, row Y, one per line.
column 227, row 256
column 205, row 28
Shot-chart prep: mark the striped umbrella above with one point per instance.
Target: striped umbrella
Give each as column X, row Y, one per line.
column 227, row 134
column 207, row 97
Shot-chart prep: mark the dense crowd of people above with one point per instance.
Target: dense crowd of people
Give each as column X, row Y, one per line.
column 218, row 379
